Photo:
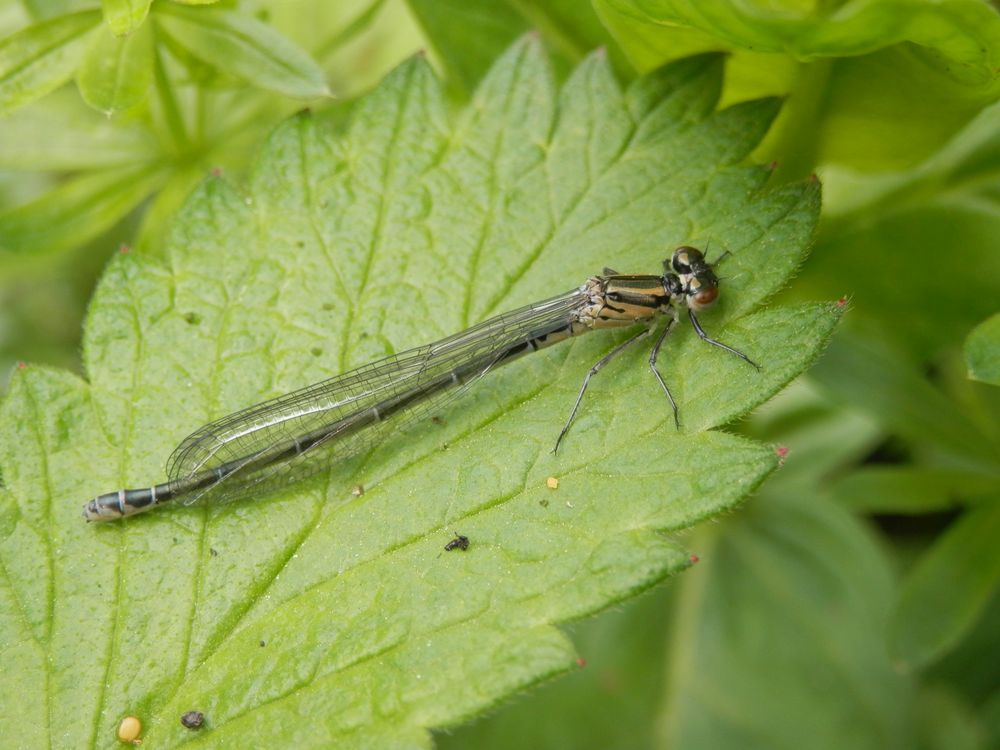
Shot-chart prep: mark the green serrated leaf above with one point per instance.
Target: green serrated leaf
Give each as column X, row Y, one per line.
column 982, row 351
column 117, row 71
column 244, row 47
column 948, row 589
column 125, row 16
column 409, row 224
column 42, row 57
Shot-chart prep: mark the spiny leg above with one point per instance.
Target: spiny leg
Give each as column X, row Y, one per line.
column 652, row 366
column 593, row 371
column 707, row 339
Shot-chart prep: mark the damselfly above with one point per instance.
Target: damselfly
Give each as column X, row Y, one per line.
column 269, row 445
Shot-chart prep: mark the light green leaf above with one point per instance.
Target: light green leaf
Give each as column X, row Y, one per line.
column 948, row 589
column 778, row 636
column 409, row 224
column 75, row 211
column 982, row 351
column 125, row 16
column 42, row 57
column 853, row 70
column 60, row 133
column 244, row 47
column 117, row 71
column 43, row 10
column 966, row 33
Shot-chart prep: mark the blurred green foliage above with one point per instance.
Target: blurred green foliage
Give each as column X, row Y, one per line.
column 853, row 603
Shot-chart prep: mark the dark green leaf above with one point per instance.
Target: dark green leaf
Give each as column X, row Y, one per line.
column 42, row 57
column 871, row 374
column 468, row 34
column 948, row 589
column 778, row 641
column 982, row 351
column 244, row 47
column 911, row 489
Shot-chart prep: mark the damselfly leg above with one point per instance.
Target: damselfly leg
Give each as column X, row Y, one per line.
column 709, row 340
column 653, row 355
column 591, row 373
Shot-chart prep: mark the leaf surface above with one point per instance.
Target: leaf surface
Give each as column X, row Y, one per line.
column 410, row 224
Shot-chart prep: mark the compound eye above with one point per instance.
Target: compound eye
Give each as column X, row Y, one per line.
column 705, row 298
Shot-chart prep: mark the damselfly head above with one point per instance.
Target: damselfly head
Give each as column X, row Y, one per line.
column 692, row 278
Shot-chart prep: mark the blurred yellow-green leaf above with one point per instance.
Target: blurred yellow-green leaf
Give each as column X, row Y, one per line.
column 125, row 16
column 245, row 48
column 117, row 71
column 42, row 57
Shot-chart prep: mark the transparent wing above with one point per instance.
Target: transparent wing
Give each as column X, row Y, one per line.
column 287, row 438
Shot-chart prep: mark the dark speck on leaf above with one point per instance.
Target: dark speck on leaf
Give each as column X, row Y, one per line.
column 262, row 644
column 213, row 552
column 192, row 318
column 193, row 719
